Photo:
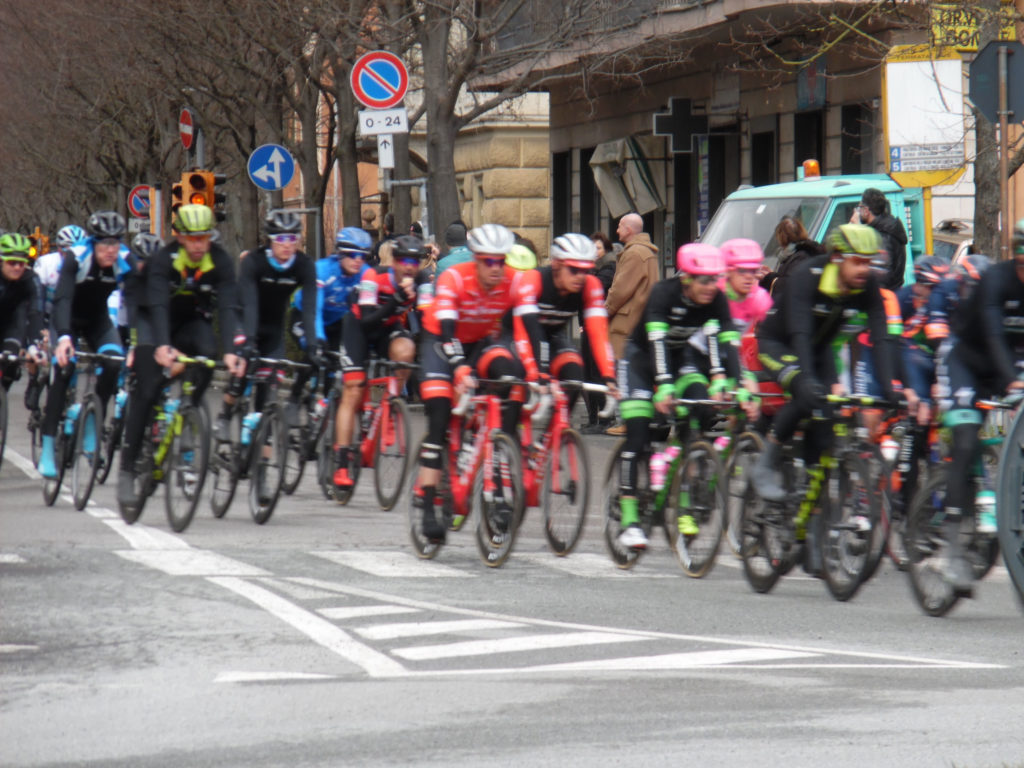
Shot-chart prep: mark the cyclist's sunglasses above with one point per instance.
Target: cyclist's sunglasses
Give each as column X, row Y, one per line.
column 109, row 241
column 15, row 260
column 706, row 279
column 286, row 238
column 578, row 270
column 492, row 261
column 410, row 260
column 353, row 254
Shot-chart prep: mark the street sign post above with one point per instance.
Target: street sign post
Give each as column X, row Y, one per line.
column 186, row 127
column 983, row 85
column 138, row 201
column 385, row 151
column 373, row 122
column 379, row 79
column 271, row 167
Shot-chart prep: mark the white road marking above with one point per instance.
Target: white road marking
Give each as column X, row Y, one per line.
column 591, row 565
column 423, row 628
column 145, row 538
column 392, row 564
column 319, row 630
column 9, row 558
column 674, row 661
column 190, row 562
column 25, row 465
column 513, row 645
column 360, row 611
column 268, row 677
column 11, row 648
column 297, row 591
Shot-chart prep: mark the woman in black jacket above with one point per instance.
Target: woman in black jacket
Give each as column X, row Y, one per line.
column 797, row 247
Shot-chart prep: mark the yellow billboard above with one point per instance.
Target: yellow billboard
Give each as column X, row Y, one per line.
column 958, row 25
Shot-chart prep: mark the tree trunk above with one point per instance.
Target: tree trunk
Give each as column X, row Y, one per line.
column 986, row 162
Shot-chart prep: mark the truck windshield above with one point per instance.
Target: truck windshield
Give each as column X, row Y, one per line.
column 757, row 219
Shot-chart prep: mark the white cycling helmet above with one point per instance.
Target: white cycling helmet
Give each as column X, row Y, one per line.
column 491, row 239
column 575, row 250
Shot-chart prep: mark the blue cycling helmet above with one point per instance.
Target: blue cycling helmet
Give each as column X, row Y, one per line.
column 353, row 240
column 70, row 235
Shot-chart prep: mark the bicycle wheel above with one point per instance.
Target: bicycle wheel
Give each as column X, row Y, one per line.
column 86, row 451
column 624, row 557
column 294, row 460
column 185, row 468
column 3, row 423
column 35, row 436
column 267, row 468
column 425, row 548
column 928, row 548
column 1009, row 509
column 391, row 453
column 743, row 454
column 144, row 481
column 984, row 547
column 565, row 493
column 499, row 515
column 879, row 473
column 696, row 491
column 62, row 445
column 112, row 434
column 849, row 517
column 325, row 452
column 224, row 466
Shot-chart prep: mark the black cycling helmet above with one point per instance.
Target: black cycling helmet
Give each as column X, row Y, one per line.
column 104, row 224
column 408, row 247
column 146, row 245
column 280, row 221
column 971, row 267
column 931, row 270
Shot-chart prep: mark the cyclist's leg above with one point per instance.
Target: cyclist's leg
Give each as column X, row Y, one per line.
column 9, row 368
column 334, row 334
column 436, row 392
column 298, row 334
column 567, row 365
column 105, row 339
column 637, row 409
column 196, row 338
column 355, row 348
column 495, row 361
column 60, row 378
column 401, row 349
column 147, row 380
column 920, row 366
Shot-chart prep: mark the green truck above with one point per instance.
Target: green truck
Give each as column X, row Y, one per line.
column 821, row 203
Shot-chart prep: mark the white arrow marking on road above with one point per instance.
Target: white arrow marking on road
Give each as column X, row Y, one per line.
column 264, row 173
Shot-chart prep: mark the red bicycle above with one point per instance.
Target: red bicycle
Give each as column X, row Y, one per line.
column 481, row 474
column 556, row 473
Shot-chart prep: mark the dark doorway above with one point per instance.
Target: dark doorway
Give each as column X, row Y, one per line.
column 856, row 138
column 723, row 167
column 561, row 191
column 683, row 201
column 762, row 159
column 809, row 137
column 590, row 198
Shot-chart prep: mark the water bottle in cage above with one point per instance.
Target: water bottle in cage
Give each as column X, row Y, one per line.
column 72, row 417
column 249, row 424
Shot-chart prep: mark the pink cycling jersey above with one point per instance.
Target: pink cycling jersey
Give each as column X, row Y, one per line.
column 749, row 309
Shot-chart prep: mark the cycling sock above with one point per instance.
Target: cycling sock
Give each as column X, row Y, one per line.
column 630, row 508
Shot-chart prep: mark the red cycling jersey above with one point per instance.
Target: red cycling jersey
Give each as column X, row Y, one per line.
column 377, row 301
column 476, row 313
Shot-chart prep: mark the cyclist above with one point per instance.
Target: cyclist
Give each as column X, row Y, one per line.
column 796, row 342
column 337, row 276
column 748, row 301
column 19, row 308
column 462, row 337
column 89, row 274
column 182, row 287
column 949, row 294
column 267, row 278
column 378, row 322
column 986, row 360
column 566, row 289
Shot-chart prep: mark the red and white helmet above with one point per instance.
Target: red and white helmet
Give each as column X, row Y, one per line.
column 575, row 250
column 700, row 259
column 742, row 253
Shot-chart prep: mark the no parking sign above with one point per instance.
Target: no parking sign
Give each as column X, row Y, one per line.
column 379, row 79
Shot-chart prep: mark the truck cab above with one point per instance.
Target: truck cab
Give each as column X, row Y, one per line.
column 820, row 203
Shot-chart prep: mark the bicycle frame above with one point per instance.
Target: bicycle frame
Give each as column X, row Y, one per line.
column 483, row 413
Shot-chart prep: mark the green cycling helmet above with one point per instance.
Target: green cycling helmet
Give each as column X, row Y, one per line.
column 15, row 246
column 194, row 220
column 854, row 240
column 520, row 257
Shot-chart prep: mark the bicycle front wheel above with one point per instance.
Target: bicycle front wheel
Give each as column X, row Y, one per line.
column 111, row 442
column 500, row 510
column 565, row 493
column 86, row 457
column 1009, row 509
column 62, row 446
column 696, row 494
column 927, row 547
column 3, row 424
column 294, row 459
column 849, row 520
column 624, row 557
column 743, row 454
column 185, row 471
column 267, row 469
column 224, row 466
column 391, row 453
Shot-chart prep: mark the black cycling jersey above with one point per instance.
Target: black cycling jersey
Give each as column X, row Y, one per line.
column 265, row 290
column 990, row 324
column 178, row 291
column 672, row 323
column 81, row 296
column 19, row 309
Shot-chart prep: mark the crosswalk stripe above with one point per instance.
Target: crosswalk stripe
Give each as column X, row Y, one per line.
column 512, row 645
column 9, row 558
column 676, row 660
column 422, row 628
column 190, row 562
column 360, row 611
column 592, row 566
column 392, row 564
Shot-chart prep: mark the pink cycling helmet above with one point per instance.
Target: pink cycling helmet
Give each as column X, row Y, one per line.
column 742, row 253
column 700, row 259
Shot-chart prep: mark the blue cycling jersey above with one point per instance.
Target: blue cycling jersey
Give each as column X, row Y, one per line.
column 333, row 291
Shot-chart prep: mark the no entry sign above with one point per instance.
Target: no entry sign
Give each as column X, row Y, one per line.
column 186, row 127
column 379, row 79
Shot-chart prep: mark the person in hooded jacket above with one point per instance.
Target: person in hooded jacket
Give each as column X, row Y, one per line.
column 796, row 248
column 875, row 212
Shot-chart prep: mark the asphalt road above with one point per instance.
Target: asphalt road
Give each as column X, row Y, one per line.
column 319, row 639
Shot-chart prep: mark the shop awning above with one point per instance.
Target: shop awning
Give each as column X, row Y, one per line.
column 624, row 177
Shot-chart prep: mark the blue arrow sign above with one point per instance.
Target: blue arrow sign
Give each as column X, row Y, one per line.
column 271, row 167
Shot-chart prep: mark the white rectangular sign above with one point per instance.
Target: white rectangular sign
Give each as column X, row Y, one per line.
column 385, row 150
column 925, row 114
column 376, row 121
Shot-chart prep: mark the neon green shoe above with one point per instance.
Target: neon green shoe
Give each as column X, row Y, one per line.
column 687, row 525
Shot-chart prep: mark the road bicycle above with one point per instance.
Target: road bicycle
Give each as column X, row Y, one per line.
column 306, row 435
column 828, row 516
column 926, row 538
column 1010, row 502
column 693, row 486
column 381, row 436
column 556, row 472
column 481, row 475
column 113, row 431
column 76, row 444
column 255, row 448
column 174, row 452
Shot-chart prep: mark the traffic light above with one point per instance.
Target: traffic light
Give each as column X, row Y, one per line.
column 178, row 195
column 203, row 186
column 40, row 244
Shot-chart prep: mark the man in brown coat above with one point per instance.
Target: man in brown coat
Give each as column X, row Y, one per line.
column 635, row 275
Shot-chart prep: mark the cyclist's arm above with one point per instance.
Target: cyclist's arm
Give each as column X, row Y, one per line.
column 728, row 342
column 247, row 287
column 158, row 295
column 656, row 324
column 372, row 310
column 881, row 337
column 991, row 307
column 65, row 294
column 595, row 322
column 232, row 334
column 797, row 302
column 936, row 327
column 525, row 288
column 311, row 319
